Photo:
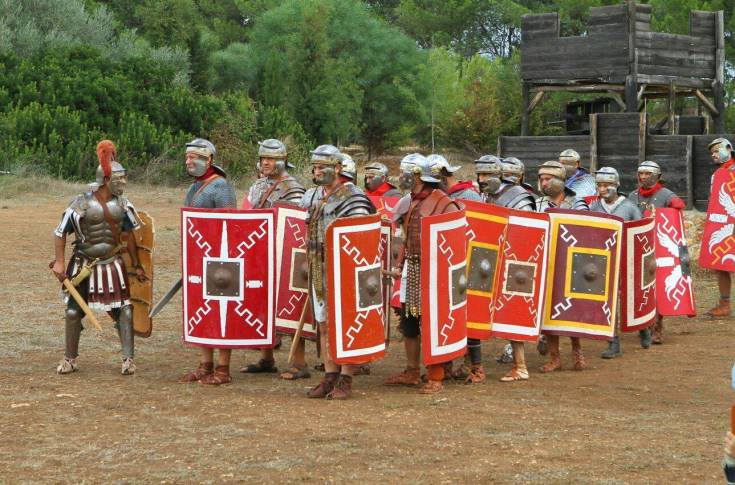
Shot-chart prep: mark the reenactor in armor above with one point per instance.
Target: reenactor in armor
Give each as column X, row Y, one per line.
column 611, row 202
column 376, row 181
column 651, row 195
column 349, row 167
column 276, row 187
column 497, row 190
column 579, row 179
column 333, row 197
column 425, row 199
column 98, row 218
column 514, row 172
column 551, row 183
column 210, row 190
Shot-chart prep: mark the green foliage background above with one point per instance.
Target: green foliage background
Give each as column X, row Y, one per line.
column 151, row 74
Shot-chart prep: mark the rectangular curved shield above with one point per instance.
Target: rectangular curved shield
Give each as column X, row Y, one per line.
column 638, row 275
column 718, row 241
column 292, row 280
column 486, row 223
column 229, row 264
column 141, row 292
column 384, row 205
column 674, row 292
column 386, row 239
column 521, row 277
column 583, row 274
column 443, row 287
column 353, row 255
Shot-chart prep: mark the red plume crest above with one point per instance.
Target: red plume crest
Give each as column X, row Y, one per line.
column 106, row 153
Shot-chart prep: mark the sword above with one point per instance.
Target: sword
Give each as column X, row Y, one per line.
column 162, row 303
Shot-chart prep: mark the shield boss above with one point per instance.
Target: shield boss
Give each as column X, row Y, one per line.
column 459, row 285
column 684, row 261
column 588, row 273
column 222, row 278
column 482, row 268
column 369, row 286
column 520, row 279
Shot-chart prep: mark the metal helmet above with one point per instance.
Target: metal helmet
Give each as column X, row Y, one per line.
column 719, row 141
column 723, row 149
column 650, row 167
column 513, row 169
column 273, row 148
column 607, row 175
column 438, row 162
column 569, row 155
column 202, row 147
column 378, row 173
column 416, row 163
column 326, row 154
column 349, row 168
column 553, row 168
column 488, row 164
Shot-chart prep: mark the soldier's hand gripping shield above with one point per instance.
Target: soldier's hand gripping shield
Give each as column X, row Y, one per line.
column 718, row 242
column 485, row 226
column 356, row 313
column 141, row 291
column 674, row 292
column 583, row 274
column 443, row 287
column 229, row 274
column 638, row 275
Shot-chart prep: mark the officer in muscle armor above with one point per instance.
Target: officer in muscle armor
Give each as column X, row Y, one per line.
column 210, row 190
column 97, row 219
column 276, row 187
column 425, row 199
column 376, row 181
column 579, row 179
column 333, row 197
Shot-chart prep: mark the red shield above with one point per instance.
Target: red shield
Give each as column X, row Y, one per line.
column 718, row 241
column 292, row 278
column 638, row 275
column 486, row 224
column 384, row 205
column 582, row 282
column 674, row 292
column 443, row 287
column 229, row 267
column 521, row 277
column 354, row 259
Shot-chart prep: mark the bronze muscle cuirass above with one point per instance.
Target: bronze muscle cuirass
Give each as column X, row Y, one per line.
column 99, row 240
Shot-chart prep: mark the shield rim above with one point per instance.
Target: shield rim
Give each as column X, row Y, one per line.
column 627, row 280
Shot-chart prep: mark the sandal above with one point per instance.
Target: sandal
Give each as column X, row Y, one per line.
column 432, row 387
column 204, row 369
column 515, row 374
column 263, row 366
column 220, row 376
column 296, row 372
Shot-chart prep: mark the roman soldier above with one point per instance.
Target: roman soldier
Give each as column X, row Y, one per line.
column 651, row 195
column 276, row 187
column 611, row 202
column 579, row 179
column 497, row 190
column 551, row 183
column 425, row 199
column 333, row 197
column 210, row 190
column 376, row 181
column 98, row 218
column 722, row 154
column 514, row 172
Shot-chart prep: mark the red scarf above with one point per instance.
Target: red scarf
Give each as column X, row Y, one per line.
column 380, row 190
column 210, row 171
column 728, row 164
column 648, row 192
column 459, row 186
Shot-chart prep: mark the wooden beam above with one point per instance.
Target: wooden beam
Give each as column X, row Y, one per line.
column 671, row 106
column 706, row 102
column 593, row 142
column 574, row 88
column 524, row 109
column 718, row 86
column 689, row 173
column 642, row 132
column 535, row 101
column 641, row 90
column 616, row 97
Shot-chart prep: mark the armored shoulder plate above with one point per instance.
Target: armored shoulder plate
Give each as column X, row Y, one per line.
column 218, row 194
column 584, row 186
column 349, row 200
column 515, row 197
column 467, row 194
column 291, row 190
column 577, row 203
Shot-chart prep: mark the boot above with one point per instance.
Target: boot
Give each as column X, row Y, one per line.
column 613, row 349
column 220, row 376
column 204, row 369
column 326, row 386
column 721, row 310
column 128, row 367
column 579, row 362
column 645, row 337
column 554, row 362
column 476, row 374
column 658, row 332
column 409, row 377
column 342, row 389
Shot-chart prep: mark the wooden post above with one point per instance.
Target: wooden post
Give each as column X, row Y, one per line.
column 689, row 173
column 642, row 131
column 631, row 80
column 718, row 86
column 672, row 108
column 631, row 94
column 525, row 92
column 593, row 142
column 500, row 147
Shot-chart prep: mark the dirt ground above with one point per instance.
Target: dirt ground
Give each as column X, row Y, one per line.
column 652, row 416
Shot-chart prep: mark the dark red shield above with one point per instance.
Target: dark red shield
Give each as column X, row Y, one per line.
column 674, row 292
column 582, row 282
column 486, row 223
column 229, row 268
column 292, row 278
column 638, row 275
column 520, row 279
column 443, row 287
column 354, row 259
column 718, row 241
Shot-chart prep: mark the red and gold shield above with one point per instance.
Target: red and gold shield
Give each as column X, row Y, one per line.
column 229, row 265
column 292, row 278
column 443, row 287
column 674, row 292
column 718, row 241
column 521, row 277
column 486, row 223
column 354, row 259
column 582, row 281
column 638, row 275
